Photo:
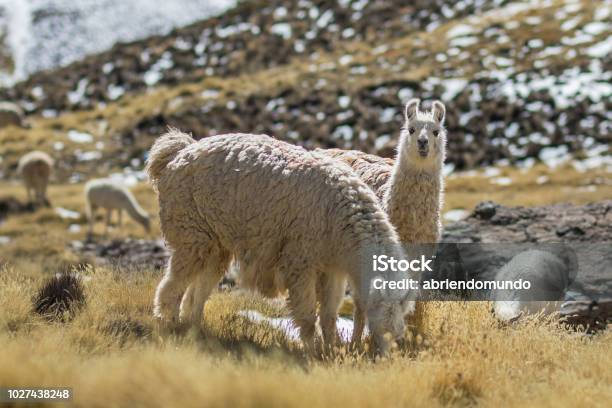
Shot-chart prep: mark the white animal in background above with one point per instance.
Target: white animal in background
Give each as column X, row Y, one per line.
column 279, row 210
column 11, row 115
column 112, row 195
column 549, row 278
column 35, row 169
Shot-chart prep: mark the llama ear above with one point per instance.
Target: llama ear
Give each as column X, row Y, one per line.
column 439, row 111
column 412, row 107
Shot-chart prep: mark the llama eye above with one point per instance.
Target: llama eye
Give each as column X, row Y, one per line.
column 436, row 133
column 411, row 130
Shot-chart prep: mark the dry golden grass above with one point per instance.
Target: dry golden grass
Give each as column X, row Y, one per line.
column 563, row 184
column 465, row 359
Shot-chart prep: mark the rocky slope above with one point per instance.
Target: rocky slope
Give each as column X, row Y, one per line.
column 521, row 80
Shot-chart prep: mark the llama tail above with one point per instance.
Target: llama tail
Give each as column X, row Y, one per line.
column 165, row 148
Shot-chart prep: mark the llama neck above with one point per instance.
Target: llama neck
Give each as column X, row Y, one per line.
column 135, row 211
column 413, row 199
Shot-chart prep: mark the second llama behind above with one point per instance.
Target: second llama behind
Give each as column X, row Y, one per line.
column 112, row 195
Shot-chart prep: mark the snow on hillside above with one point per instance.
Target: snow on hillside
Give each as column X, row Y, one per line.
column 43, row 34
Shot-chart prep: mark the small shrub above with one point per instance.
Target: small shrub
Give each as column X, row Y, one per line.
column 60, row 297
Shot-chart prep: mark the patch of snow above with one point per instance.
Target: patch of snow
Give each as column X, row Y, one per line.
column 78, row 95
column 359, row 5
column 88, row 156
column 299, row 46
column 74, row 228
column 79, row 137
column 344, row 101
column 325, row 19
column 381, row 49
column 596, row 28
column 405, row 94
column 342, row 116
column 535, row 43
column 387, row 115
column 291, row 331
column 463, row 42
column 280, row 12
column 348, row 32
column 343, row 132
column 345, row 59
column 67, row 214
column 381, row 141
column 569, row 25
column 4, row 240
column 49, row 113
column 491, row 172
column 448, row 169
column 453, row 87
column 527, row 163
column 210, row 93
column 115, row 91
column 359, row 70
column 38, row 92
column 152, row 77
column 460, row 30
column 602, row 13
column 282, row 29
column 228, row 31
column 554, row 155
column 456, row 215
column 601, row 49
column 502, row 181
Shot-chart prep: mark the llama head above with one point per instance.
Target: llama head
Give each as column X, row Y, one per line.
column 423, row 137
column 387, row 308
column 386, row 318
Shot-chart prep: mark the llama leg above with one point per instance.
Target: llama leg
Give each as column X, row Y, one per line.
column 108, row 220
column 120, row 219
column 302, row 303
column 44, row 196
column 169, row 292
column 201, row 287
column 91, row 213
column 330, row 296
column 187, row 302
column 358, row 322
column 29, row 192
column 359, row 316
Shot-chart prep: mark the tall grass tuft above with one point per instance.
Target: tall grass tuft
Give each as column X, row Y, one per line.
column 60, row 297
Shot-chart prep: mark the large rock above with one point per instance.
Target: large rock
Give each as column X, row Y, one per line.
column 580, row 235
column 10, row 114
column 491, row 222
column 583, row 234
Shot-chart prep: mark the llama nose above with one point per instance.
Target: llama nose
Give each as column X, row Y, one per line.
column 422, row 142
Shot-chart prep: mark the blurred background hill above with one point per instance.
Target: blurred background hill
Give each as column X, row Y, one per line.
column 523, row 82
